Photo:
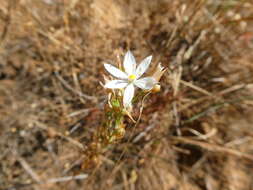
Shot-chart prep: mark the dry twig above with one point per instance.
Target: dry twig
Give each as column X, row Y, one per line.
column 213, row 147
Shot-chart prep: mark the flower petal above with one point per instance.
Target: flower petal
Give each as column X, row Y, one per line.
column 128, row 95
column 116, row 84
column 115, row 71
column 145, row 83
column 143, row 66
column 129, row 63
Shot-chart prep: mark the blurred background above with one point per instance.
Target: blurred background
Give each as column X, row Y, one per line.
column 195, row 134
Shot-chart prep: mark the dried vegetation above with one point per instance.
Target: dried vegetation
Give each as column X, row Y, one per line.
column 196, row 134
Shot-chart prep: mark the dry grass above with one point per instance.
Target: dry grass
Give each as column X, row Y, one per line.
column 196, row 134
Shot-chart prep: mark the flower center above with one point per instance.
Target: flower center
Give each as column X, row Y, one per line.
column 132, row 77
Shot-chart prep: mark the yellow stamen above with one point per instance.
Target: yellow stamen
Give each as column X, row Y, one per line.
column 131, row 77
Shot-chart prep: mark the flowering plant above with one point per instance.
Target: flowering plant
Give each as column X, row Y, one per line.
column 121, row 96
column 122, row 91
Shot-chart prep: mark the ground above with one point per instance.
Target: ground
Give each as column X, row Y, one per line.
column 195, row 134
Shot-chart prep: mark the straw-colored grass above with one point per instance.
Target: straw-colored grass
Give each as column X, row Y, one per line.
column 195, row 134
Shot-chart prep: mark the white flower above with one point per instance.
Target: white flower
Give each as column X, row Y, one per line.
column 131, row 77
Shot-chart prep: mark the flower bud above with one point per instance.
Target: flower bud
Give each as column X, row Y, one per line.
column 159, row 72
column 156, row 88
column 120, row 132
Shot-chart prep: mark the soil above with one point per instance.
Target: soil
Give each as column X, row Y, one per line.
column 195, row 134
